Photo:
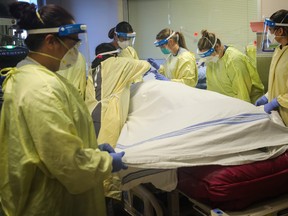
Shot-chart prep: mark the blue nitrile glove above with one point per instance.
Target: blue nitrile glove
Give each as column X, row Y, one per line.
column 273, row 105
column 261, row 101
column 153, row 63
column 117, row 161
column 159, row 76
column 106, row 147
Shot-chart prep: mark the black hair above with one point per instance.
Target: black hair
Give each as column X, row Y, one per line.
column 4, row 10
column 101, row 48
column 124, row 27
column 49, row 16
column 280, row 16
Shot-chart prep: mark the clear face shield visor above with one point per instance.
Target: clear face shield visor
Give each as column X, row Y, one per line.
column 128, row 37
column 268, row 40
column 76, row 32
column 159, row 43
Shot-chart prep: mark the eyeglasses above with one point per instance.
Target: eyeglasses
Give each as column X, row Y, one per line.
column 77, row 44
column 77, row 40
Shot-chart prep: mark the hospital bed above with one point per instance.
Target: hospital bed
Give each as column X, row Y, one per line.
column 150, row 205
column 204, row 146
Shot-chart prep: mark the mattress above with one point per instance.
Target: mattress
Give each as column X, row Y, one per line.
column 237, row 187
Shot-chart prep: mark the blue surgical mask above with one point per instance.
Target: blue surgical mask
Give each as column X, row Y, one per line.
column 165, row 51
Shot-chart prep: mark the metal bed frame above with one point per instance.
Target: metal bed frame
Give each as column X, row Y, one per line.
column 150, row 205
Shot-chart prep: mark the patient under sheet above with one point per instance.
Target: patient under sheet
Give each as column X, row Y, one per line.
column 171, row 125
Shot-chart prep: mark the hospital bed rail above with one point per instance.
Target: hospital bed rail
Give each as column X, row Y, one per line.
column 150, row 206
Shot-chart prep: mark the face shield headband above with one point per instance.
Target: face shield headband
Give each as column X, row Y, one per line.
column 62, row 31
column 66, row 31
column 100, row 55
column 158, row 43
column 127, row 36
column 268, row 41
column 271, row 24
column 208, row 52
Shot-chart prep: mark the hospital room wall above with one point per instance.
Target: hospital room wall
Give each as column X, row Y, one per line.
column 268, row 7
column 99, row 15
column 228, row 19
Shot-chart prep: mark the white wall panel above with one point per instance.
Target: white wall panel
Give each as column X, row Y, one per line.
column 230, row 20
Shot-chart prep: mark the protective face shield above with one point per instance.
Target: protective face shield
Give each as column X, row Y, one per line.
column 123, row 44
column 272, row 42
column 208, row 59
column 71, row 56
column 213, row 59
column 128, row 39
column 159, row 43
column 207, row 52
column 66, row 31
column 268, row 41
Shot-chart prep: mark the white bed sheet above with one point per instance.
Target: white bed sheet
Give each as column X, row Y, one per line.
column 172, row 125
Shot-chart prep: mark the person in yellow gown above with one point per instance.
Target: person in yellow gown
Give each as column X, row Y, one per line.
column 276, row 28
column 111, row 78
column 180, row 65
column 229, row 71
column 50, row 163
column 123, row 38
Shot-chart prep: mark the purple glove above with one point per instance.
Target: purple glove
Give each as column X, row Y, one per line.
column 153, row 63
column 261, row 101
column 159, row 76
column 106, row 147
column 117, row 161
column 273, row 105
